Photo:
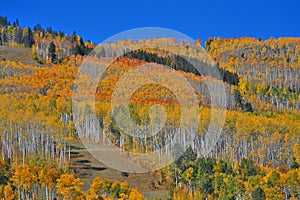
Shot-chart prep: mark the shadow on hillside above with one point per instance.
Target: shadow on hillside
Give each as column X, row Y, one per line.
column 95, row 168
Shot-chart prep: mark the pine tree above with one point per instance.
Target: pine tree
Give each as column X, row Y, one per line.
column 258, row 194
column 52, row 52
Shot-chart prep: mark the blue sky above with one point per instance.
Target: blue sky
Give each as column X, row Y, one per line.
column 98, row 20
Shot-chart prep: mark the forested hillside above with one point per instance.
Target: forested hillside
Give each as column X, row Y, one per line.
column 47, row 45
column 257, row 155
column 269, row 69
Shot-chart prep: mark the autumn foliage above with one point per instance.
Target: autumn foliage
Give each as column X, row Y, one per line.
column 256, row 157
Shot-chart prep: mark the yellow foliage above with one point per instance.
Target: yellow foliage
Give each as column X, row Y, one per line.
column 24, row 177
column 135, row 194
column 9, row 193
column 70, row 187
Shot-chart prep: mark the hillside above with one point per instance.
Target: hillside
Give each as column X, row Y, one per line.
column 269, row 69
column 256, row 152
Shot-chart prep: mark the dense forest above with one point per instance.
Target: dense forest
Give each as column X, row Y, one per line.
column 257, row 153
column 269, row 69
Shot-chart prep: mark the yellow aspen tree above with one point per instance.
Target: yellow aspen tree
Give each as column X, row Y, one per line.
column 9, row 193
column 135, row 194
column 1, row 191
column 70, row 187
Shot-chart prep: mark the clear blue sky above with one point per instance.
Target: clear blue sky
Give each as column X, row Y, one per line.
column 98, row 20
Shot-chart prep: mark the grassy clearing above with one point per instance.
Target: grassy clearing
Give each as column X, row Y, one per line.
column 17, row 54
column 87, row 167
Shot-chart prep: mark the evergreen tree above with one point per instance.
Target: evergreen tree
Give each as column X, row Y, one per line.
column 259, row 194
column 51, row 51
column 3, row 21
column 16, row 23
column 28, row 39
column 248, row 168
column 37, row 28
column 18, row 36
column 294, row 164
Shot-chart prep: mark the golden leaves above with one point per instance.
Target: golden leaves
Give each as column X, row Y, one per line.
column 24, row 177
